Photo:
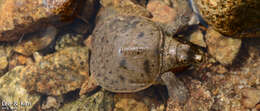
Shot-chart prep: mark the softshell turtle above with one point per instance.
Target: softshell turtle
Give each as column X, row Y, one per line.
column 131, row 53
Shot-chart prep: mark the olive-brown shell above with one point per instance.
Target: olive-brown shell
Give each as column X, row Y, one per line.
column 126, row 53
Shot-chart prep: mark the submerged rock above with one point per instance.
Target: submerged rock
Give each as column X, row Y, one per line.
column 126, row 7
column 5, row 54
column 57, row 73
column 19, row 17
column 100, row 101
column 130, row 104
column 196, row 37
column 161, row 11
column 37, row 42
column 226, row 84
column 200, row 97
column 89, row 9
column 4, row 64
column 172, row 15
column 148, row 100
column 238, row 18
column 251, row 97
column 69, row 40
column 141, row 2
column 13, row 94
column 17, row 60
column 223, row 49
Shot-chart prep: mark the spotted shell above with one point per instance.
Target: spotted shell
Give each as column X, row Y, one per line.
column 125, row 53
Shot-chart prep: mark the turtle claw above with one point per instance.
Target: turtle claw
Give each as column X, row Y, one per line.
column 89, row 85
column 177, row 91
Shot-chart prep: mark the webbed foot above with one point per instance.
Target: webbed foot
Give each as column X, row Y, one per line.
column 177, row 91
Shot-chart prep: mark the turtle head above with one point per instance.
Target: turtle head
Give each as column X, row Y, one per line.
column 179, row 54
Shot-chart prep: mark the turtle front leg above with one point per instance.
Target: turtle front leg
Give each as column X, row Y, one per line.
column 177, row 91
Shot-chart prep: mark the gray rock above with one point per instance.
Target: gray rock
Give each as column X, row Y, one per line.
column 100, row 101
column 57, row 73
column 69, row 40
column 13, row 94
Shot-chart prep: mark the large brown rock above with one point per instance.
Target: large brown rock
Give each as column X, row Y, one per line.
column 36, row 42
column 172, row 15
column 161, row 11
column 126, row 7
column 240, row 18
column 57, row 73
column 24, row 16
